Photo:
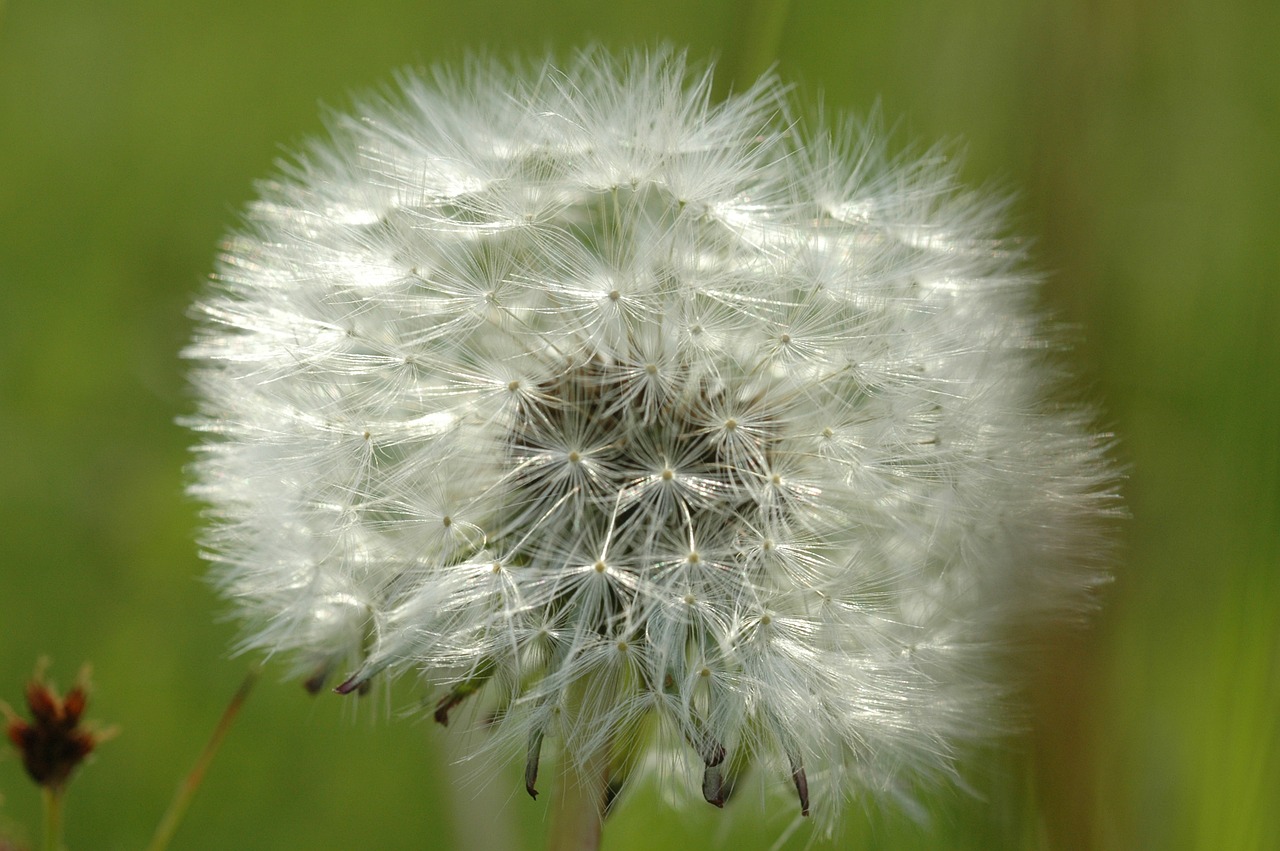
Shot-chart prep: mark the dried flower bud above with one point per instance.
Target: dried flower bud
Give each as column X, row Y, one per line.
column 54, row 742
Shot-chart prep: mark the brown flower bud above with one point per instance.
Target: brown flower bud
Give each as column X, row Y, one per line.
column 54, row 741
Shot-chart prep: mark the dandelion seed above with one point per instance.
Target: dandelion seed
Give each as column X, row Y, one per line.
column 579, row 391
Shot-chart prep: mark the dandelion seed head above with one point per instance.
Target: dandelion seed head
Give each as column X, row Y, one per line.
column 575, row 387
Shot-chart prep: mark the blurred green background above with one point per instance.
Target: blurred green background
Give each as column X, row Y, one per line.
column 1142, row 139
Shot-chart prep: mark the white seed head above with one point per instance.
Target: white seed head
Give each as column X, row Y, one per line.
column 576, row 386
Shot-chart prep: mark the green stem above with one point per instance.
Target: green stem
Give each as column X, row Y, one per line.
column 51, row 797
column 578, row 814
column 758, row 36
column 191, row 783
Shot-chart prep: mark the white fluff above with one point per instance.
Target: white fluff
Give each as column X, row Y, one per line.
column 575, row 385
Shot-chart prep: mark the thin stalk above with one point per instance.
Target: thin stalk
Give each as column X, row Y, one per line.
column 191, row 783
column 578, row 814
column 51, row 798
column 758, row 36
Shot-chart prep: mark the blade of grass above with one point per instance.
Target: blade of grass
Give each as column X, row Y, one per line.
column 757, row 39
column 191, row 783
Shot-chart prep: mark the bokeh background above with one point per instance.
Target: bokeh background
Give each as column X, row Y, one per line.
column 1141, row 138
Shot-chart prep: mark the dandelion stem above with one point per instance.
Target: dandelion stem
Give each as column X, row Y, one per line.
column 51, row 797
column 579, row 808
column 191, row 783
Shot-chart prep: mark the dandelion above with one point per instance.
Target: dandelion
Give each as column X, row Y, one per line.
column 668, row 427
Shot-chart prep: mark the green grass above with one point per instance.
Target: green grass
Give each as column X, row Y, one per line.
column 1142, row 141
